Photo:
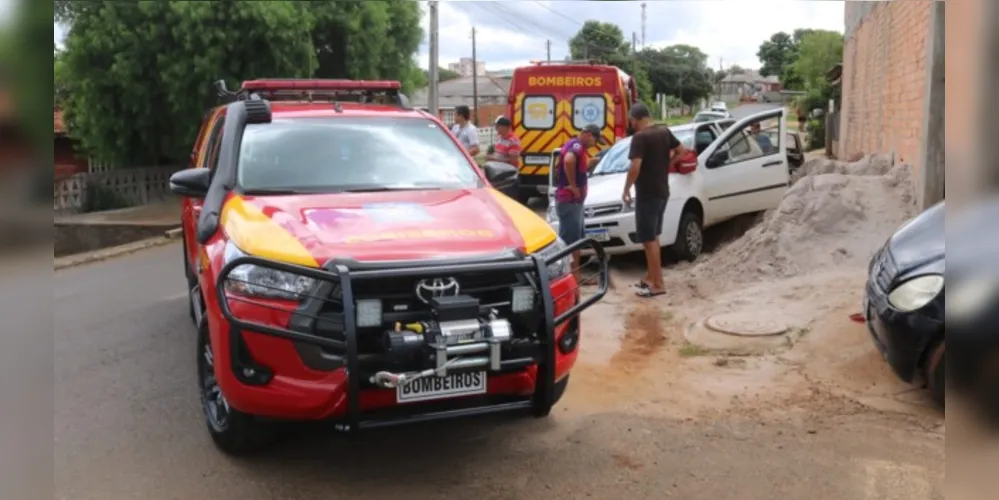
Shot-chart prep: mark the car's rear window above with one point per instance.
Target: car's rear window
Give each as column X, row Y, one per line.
column 341, row 153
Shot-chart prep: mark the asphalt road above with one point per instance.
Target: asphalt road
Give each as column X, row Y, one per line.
column 128, row 426
column 752, row 108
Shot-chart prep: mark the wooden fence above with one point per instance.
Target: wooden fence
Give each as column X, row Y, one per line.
column 134, row 186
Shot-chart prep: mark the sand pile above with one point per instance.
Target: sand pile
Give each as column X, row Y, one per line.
column 835, row 215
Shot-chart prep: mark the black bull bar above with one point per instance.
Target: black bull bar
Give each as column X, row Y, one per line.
column 347, row 275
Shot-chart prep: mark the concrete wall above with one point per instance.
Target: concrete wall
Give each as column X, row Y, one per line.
column 885, row 60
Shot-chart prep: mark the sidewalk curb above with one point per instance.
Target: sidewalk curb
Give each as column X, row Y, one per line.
column 107, row 253
column 174, row 233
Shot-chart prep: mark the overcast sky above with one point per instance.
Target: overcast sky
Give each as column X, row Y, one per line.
column 511, row 33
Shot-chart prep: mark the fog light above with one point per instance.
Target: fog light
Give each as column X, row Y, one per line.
column 522, row 299
column 369, row 313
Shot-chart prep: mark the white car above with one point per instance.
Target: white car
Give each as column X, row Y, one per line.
column 734, row 176
column 720, row 107
column 710, row 116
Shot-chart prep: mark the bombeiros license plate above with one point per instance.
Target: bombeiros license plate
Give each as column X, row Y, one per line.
column 452, row 385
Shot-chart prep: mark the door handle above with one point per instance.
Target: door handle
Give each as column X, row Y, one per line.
column 772, row 164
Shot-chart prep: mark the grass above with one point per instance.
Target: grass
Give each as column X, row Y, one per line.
column 676, row 120
column 688, row 350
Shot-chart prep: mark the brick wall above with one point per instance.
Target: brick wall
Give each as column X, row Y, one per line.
column 884, row 75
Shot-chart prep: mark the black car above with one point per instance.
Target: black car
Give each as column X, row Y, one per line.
column 904, row 301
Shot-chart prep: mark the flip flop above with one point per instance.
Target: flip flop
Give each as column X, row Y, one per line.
column 641, row 284
column 648, row 293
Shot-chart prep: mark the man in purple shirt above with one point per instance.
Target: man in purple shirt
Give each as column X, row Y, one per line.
column 570, row 187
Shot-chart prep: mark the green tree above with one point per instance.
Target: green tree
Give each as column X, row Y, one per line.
column 817, row 52
column 60, row 78
column 142, row 72
column 775, row 54
column 599, row 41
column 680, row 70
column 367, row 40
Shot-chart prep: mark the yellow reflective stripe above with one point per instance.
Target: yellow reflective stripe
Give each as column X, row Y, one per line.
column 535, row 232
column 257, row 234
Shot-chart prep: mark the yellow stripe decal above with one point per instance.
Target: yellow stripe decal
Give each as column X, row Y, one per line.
column 257, row 234
column 535, row 232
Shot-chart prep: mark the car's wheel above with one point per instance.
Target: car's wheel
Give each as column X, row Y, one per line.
column 232, row 431
column 192, row 281
column 689, row 237
column 524, row 196
column 936, row 374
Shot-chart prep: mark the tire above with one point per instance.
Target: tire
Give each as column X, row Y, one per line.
column 192, row 281
column 560, row 388
column 936, row 374
column 689, row 237
column 559, row 391
column 233, row 432
column 524, row 196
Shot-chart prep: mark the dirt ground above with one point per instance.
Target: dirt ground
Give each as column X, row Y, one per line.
column 798, row 267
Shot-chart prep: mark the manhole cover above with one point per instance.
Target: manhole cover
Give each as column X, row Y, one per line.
column 745, row 325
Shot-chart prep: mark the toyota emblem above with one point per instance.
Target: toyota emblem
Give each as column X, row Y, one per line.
column 435, row 288
column 588, row 212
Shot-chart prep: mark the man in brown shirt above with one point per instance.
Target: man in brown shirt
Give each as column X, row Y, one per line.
column 654, row 149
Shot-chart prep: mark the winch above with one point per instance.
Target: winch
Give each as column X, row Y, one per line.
column 459, row 337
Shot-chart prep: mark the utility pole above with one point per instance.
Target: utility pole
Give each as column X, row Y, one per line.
column 721, row 69
column 643, row 25
column 475, row 83
column 432, row 102
column 548, row 49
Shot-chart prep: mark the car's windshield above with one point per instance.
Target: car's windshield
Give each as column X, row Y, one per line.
column 707, row 117
column 351, row 154
column 616, row 160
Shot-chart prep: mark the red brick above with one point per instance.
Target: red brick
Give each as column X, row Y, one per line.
column 884, row 75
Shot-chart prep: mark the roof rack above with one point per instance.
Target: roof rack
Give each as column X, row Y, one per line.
column 382, row 92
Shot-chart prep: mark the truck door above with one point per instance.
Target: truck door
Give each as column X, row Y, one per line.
column 589, row 109
column 538, row 120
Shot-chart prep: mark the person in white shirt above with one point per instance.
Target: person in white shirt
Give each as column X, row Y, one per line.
column 463, row 129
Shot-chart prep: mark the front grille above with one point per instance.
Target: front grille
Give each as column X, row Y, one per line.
column 401, row 303
column 884, row 270
column 601, row 210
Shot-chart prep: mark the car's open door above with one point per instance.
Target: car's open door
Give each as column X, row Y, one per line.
column 744, row 173
column 556, row 153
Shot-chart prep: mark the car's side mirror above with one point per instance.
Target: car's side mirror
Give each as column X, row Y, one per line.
column 717, row 159
column 191, row 182
column 498, row 172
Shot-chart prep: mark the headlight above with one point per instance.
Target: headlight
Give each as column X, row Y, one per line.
column 560, row 267
column 916, row 293
column 249, row 279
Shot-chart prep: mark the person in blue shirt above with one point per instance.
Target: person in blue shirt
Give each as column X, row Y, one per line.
column 762, row 139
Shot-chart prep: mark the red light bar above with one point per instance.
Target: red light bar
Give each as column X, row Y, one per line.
column 319, row 85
